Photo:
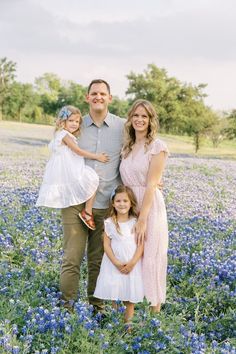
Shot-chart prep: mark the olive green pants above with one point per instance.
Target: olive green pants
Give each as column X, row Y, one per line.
column 76, row 237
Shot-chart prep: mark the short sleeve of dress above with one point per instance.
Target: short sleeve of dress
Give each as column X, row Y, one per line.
column 56, row 142
column 158, row 146
column 60, row 135
column 108, row 227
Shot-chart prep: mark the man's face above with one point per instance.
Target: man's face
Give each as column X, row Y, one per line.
column 98, row 98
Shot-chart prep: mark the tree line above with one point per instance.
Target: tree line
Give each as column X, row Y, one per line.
column 180, row 106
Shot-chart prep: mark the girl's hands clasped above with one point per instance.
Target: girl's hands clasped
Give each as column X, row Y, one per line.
column 120, row 266
column 127, row 268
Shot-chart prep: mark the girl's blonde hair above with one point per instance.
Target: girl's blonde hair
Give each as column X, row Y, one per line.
column 130, row 132
column 65, row 113
column 133, row 201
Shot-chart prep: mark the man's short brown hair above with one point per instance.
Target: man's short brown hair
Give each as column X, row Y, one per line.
column 99, row 81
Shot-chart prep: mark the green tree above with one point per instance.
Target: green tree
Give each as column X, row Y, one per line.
column 190, row 103
column 231, row 130
column 7, row 76
column 197, row 119
column 48, row 87
column 217, row 133
column 119, row 106
column 200, row 121
column 20, row 96
column 55, row 93
column 73, row 94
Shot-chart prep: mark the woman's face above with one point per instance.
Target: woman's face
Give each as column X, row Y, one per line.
column 140, row 120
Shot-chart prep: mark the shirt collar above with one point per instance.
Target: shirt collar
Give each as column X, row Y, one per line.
column 88, row 120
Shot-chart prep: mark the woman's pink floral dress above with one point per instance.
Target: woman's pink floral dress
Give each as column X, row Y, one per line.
column 134, row 172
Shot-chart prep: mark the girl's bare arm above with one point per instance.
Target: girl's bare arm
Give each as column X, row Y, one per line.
column 109, row 252
column 102, row 157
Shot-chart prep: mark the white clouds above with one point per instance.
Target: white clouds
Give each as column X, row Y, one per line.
column 31, row 27
column 106, row 11
column 82, row 40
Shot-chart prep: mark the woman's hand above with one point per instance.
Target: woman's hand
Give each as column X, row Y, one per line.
column 160, row 185
column 103, row 157
column 140, row 229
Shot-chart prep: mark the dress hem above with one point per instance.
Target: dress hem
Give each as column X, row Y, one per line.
column 115, row 299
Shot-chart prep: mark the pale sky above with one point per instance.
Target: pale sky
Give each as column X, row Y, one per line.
column 79, row 40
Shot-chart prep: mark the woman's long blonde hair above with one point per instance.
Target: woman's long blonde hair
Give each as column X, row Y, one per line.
column 129, row 130
column 133, row 201
column 64, row 114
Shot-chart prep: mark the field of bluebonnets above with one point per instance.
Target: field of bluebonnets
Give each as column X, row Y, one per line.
column 199, row 315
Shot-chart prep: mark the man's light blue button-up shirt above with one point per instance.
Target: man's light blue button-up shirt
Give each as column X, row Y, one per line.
column 107, row 138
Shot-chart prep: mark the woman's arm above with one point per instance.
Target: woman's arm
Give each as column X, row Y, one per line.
column 109, row 252
column 102, row 157
column 156, row 169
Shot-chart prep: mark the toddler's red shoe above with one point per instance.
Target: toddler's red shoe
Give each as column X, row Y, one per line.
column 87, row 219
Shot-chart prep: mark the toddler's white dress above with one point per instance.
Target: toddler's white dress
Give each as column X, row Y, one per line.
column 67, row 180
column 111, row 283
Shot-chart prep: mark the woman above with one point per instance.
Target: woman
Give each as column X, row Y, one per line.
column 142, row 166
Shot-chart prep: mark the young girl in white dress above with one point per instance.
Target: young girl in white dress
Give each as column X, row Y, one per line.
column 67, row 180
column 120, row 276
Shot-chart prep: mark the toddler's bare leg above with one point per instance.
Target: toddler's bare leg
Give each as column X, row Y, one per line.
column 89, row 204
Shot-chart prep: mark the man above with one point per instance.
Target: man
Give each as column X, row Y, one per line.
column 101, row 132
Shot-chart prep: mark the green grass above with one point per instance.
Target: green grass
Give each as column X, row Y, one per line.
column 177, row 144
column 184, row 145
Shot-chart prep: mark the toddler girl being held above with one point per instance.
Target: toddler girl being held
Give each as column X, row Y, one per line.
column 67, row 180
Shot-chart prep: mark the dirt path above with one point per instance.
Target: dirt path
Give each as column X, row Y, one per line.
column 18, row 138
column 25, row 133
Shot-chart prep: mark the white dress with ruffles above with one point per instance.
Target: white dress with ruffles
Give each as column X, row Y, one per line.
column 111, row 283
column 67, row 180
